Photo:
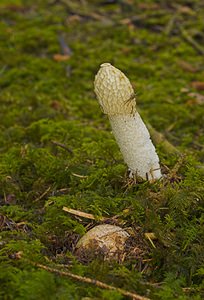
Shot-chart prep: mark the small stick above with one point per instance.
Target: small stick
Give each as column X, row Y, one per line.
column 88, row 280
column 191, row 41
column 62, row 146
column 3, row 69
column 81, row 213
column 43, row 194
column 170, row 25
column 79, row 176
column 159, row 138
column 151, row 236
column 64, row 47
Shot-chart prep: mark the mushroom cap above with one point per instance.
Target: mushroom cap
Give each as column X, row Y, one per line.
column 114, row 91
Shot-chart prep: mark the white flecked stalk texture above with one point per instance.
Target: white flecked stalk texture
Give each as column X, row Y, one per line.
column 117, row 99
column 136, row 146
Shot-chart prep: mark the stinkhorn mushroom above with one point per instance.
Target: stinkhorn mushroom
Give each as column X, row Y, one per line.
column 117, row 99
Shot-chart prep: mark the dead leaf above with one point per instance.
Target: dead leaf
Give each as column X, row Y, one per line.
column 196, row 98
column 186, row 10
column 73, row 19
column 56, row 105
column 126, row 50
column 198, row 85
column 126, row 21
column 9, row 30
column 61, row 57
column 148, row 6
column 184, row 90
column 187, row 67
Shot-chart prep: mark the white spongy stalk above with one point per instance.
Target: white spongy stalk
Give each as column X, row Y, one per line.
column 136, row 146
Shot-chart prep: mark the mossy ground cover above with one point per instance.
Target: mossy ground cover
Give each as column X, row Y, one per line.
column 56, row 147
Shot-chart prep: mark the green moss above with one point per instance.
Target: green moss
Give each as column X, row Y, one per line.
column 56, row 148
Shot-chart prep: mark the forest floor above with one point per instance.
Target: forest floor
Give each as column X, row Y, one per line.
column 57, row 151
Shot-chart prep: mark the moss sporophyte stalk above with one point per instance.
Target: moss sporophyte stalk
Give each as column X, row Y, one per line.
column 117, row 99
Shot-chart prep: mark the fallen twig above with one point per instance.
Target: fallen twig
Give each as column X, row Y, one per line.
column 81, row 214
column 3, row 69
column 88, row 280
column 79, row 175
column 190, row 40
column 170, row 25
column 62, row 146
column 151, row 236
column 64, row 47
column 43, row 194
column 159, row 138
